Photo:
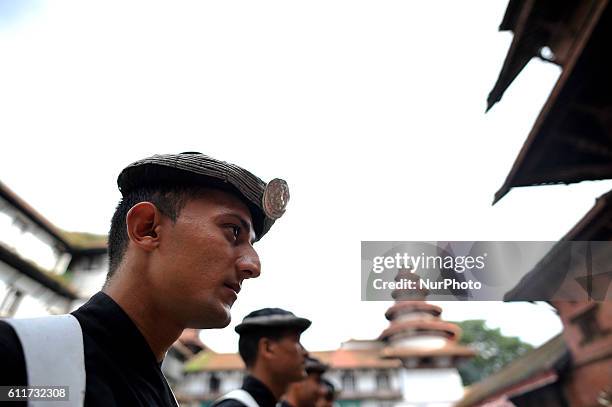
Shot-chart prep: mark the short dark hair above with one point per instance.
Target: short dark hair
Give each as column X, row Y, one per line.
column 330, row 389
column 249, row 342
column 169, row 200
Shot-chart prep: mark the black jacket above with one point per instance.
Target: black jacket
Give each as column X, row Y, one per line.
column 262, row 395
column 121, row 369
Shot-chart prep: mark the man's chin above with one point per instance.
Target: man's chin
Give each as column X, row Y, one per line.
column 217, row 318
column 223, row 320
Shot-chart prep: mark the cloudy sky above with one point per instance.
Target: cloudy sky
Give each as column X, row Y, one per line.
column 372, row 111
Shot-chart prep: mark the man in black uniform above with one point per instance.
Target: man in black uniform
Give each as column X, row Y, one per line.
column 180, row 246
column 274, row 357
column 307, row 392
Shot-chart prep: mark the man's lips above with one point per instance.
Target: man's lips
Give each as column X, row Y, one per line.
column 233, row 286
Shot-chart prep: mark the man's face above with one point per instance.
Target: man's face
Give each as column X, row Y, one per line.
column 309, row 390
column 203, row 258
column 289, row 357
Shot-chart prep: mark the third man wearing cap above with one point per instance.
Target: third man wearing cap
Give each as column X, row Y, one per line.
column 307, row 392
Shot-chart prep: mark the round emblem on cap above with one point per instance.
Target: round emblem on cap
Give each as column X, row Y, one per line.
column 275, row 198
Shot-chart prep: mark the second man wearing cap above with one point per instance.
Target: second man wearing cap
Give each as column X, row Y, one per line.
column 270, row 347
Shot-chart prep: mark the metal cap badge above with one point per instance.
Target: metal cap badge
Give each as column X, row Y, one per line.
column 275, row 198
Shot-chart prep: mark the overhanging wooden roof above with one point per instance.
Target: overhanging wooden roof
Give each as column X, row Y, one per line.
column 536, row 367
column 571, row 140
column 546, row 278
column 559, row 25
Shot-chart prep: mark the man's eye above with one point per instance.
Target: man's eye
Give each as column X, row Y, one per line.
column 235, row 230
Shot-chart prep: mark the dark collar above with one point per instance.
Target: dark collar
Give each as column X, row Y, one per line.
column 262, row 395
column 113, row 330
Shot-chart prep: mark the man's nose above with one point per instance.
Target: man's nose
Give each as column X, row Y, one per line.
column 248, row 264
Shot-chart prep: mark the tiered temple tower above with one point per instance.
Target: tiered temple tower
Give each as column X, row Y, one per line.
column 427, row 347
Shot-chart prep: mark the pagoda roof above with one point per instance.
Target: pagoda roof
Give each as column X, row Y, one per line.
column 412, row 306
column 448, row 328
column 450, row 349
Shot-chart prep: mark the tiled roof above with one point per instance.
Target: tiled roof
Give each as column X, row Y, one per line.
column 355, row 359
column 185, row 352
column 337, row 359
column 191, row 339
column 83, row 241
column 211, row 361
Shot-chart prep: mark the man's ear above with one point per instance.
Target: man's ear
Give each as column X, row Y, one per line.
column 265, row 348
column 143, row 223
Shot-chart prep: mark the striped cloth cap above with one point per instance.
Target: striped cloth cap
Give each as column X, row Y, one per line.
column 267, row 202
